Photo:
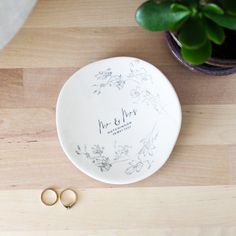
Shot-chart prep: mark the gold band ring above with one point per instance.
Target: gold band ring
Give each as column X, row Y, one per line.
column 49, row 200
column 68, row 198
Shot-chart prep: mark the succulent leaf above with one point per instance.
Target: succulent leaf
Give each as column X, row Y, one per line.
column 225, row 20
column 214, row 32
column 229, row 5
column 213, row 8
column 192, row 35
column 197, row 56
column 176, row 7
column 155, row 16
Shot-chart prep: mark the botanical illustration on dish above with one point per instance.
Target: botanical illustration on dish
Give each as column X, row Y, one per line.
column 144, row 157
column 107, row 78
column 97, row 155
column 137, row 75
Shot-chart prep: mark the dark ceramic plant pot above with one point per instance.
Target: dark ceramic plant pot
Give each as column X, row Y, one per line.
column 217, row 65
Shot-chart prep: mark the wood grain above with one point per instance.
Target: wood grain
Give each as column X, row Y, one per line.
column 135, row 208
column 11, row 88
column 83, row 13
column 73, row 47
column 193, row 194
column 193, row 231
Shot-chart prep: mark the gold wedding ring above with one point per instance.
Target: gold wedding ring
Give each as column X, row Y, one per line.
column 49, row 197
column 68, row 198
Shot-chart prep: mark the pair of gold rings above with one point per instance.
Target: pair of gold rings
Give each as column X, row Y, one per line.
column 68, row 197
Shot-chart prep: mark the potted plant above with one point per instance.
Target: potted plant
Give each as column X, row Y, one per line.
column 200, row 33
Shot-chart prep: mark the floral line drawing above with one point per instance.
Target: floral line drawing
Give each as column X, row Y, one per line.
column 104, row 162
column 146, row 97
column 137, row 166
column 106, row 78
column 121, row 151
column 136, row 75
column 145, row 153
column 98, row 157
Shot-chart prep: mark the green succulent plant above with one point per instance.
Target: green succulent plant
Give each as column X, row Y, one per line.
column 198, row 24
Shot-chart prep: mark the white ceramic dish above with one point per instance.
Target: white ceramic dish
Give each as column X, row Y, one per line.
column 118, row 119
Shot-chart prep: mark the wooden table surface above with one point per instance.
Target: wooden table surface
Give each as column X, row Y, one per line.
column 193, row 194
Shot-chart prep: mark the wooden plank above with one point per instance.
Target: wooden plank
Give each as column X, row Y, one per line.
column 22, row 125
column 208, row 124
column 75, row 47
column 104, row 209
column 195, row 88
column 42, row 86
column 232, row 155
column 193, row 231
column 83, row 13
column 11, row 88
